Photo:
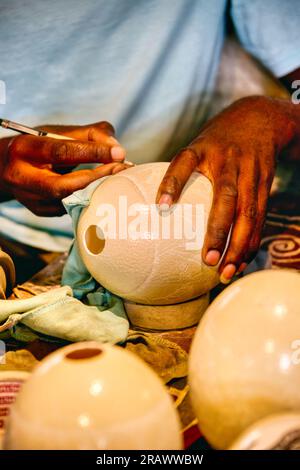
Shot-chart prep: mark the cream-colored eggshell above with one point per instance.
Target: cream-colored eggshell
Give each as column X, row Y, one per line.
column 93, row 396
column 147, row 271
column 278, row 432
column 167, row 317
column 245, row 357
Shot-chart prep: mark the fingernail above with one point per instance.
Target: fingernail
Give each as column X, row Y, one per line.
column 227, row 273
column 213, row 257
column 165, row 202
column 242, row 267
column 117, row 153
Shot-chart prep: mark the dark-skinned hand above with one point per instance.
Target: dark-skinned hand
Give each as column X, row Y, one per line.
column 37, row 170
column 237, row 150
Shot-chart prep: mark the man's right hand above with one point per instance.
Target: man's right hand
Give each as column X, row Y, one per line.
column 37, row 170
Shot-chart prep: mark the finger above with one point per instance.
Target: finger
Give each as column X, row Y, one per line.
column 178, row 173
column 243, row 227
column 121, row 167
column 104, row 133
column 242, row 268
column 44, row 207
column 264, row 187
column 43, row 150
column 48, row 184
column 67, row 184
column 221, row 216
column 101, row 132
column 85, row 132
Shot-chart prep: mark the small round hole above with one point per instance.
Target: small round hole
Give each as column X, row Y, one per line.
column 85, row 353
column 93, row 240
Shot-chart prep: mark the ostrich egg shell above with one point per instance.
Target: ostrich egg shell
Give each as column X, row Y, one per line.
column 245, row 357
column 276, row 432
column 93, row 396
column 155, row 267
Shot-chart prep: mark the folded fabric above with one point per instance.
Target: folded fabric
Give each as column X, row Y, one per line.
column 167, row 359
column 57, row 314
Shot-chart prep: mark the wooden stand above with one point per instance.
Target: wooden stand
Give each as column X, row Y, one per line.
column 167, row 317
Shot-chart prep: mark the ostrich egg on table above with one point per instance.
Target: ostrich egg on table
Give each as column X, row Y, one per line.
column 245, row 358
column 139, row 252
column 93, row 396
column 275, row 432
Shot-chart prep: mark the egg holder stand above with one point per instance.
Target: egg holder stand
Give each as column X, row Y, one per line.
column 167, row 317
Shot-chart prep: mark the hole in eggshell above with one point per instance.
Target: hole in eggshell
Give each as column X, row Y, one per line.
column 94, row 243
column 85, row 353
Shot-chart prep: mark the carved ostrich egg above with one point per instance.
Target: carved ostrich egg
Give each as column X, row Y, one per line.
column 139, row 252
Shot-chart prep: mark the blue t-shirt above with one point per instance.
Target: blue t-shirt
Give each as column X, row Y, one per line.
column 147, row 66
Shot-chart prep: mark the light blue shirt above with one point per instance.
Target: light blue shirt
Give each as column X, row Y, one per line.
column 147, row 66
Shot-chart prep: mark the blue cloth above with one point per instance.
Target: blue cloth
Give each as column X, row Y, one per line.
column 147, row 66
column 75, row 273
